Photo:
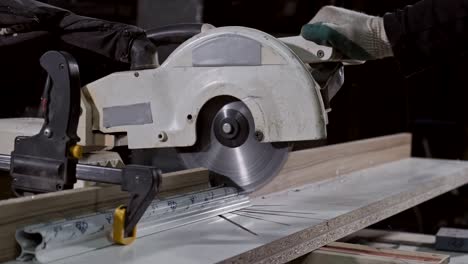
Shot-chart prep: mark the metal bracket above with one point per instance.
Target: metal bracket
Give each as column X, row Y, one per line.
column 142, row 183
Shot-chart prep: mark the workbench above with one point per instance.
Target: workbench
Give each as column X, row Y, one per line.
column 351, row 186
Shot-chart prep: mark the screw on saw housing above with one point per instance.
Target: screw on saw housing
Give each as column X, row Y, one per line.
column 320, row 54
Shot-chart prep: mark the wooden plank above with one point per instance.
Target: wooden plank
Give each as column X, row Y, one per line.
column 45, row 207
column 345, row 253
column 184, row 181
column 350, row 203
column 384, row 236
column 302, row 167
column 408, row 242
column 283, row 226
column 318, row 164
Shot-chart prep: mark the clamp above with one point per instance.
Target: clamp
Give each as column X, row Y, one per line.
column 142, row 183
column 48, row 161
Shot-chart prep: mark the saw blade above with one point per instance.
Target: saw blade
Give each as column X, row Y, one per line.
column 229, row 146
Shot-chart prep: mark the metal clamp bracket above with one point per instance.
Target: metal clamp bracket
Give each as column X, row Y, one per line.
column 142, row 183
column 48, row 161
column 45, row 162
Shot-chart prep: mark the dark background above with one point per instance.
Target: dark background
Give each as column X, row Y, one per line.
column 377, row 99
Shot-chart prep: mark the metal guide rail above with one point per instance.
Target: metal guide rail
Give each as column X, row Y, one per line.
column 83, row 172
column 56, row 240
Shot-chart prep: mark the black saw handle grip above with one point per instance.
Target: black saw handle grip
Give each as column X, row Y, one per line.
column 173, row 34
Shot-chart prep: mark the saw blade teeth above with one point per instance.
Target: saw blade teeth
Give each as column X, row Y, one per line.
column 233, row 150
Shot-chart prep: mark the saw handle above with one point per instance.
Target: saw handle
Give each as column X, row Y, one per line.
column 174, row 34
column 312, row 53
column 168, row 38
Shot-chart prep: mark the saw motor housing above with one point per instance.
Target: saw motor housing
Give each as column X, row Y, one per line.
column 158, row 108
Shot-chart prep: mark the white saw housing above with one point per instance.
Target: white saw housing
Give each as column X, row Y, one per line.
column 158, row 108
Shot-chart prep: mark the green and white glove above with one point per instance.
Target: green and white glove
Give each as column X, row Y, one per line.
column 357, row 36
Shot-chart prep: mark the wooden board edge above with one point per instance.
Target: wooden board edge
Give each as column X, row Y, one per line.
column 319, row 164
column 384, row 236
column 338, row 252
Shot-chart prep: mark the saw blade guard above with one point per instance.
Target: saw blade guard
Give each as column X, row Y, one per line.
column 159, row 108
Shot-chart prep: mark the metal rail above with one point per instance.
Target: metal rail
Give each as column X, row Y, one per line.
column 51, row 241
column 83, row 172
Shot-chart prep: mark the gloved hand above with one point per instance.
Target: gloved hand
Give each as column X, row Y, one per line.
column 357, row 36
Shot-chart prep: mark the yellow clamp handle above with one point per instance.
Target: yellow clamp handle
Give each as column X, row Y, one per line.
column 118, row 227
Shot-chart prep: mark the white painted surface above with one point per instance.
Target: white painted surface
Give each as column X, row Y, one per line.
column 10, row 128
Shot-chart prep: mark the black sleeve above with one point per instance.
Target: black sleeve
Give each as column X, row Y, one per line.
column 113, row 40
column 427, row 32
column 29, row 28
column 110, row 39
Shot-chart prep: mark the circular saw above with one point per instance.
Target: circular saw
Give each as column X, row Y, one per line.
column 230, row 99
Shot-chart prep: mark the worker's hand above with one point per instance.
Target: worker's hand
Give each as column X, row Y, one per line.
column 357, row 36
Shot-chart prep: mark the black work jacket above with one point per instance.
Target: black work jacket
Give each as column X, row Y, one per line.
column 21, row 20
column 29, row 28
column 428, row 32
